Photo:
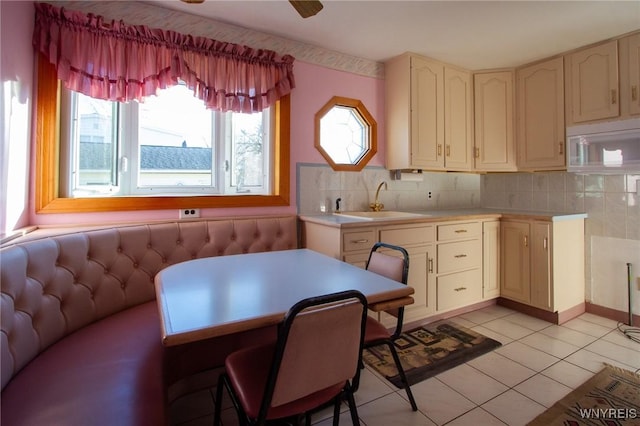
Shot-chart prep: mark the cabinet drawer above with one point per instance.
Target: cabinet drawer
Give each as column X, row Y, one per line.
column 361, row 240
column 459, row 255
column 406, row 236
column 462, row 288
column 459, row 231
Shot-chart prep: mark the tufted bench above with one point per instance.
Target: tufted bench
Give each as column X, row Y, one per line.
column 80, row 333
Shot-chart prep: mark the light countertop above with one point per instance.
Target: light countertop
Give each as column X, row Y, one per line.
column 425, row 216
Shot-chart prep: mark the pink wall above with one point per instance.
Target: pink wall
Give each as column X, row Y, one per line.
column 315, row 85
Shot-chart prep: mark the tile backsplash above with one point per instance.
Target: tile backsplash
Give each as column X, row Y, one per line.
column 319, row 187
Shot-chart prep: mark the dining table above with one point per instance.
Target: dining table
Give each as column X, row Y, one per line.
column 215, row 296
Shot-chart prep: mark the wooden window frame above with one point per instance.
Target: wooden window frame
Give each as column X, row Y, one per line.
column 47, row 146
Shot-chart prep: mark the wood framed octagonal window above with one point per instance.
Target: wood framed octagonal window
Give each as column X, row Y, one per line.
column 345, row 134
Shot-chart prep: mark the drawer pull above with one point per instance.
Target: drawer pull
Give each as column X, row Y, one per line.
column 459, row 289
column 361, row 241
column 460, row 231
column 458, row 256
column 614, row 97
column 430, row 265
column 634, row 93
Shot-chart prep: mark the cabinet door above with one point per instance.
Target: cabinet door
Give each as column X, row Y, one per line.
column 630, row 75
column 541, row 278
column 494, row 141
column 515, row 279
column 540, row 142
column 594, row 83
column 427, row 120
column 491, row 259
column 458, row 112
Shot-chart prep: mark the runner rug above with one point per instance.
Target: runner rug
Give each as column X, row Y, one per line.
column 429, row 350
column 611, row 397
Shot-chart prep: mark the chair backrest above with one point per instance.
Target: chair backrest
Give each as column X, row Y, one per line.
column 319, row 346
column 392, row 267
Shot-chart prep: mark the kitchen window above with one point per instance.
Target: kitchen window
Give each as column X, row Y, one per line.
column 50, row 192
column 169, row 144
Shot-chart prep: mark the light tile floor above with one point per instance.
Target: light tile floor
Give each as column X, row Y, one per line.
column 537, row 364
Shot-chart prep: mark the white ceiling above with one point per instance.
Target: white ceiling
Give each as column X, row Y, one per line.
column 471, row 34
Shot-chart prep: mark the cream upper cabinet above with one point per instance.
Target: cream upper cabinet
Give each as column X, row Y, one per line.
column 458, row 119
column 593, row 83
column 540, row 116
column 630, row 75
column 428, row 115
column 494, row 121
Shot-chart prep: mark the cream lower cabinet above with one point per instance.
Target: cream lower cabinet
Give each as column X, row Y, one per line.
column 354, row 244
column 458, row 264
column 490, row 259
column 447, row 267
column 543, row 263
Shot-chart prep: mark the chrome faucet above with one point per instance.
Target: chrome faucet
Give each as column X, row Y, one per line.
column 376, row 206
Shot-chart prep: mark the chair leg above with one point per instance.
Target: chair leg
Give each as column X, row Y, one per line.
column 336, row 410
column 403, row 377
column 355, row 420
column 218, row 407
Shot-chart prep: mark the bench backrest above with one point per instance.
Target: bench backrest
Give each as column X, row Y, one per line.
column 53, row 286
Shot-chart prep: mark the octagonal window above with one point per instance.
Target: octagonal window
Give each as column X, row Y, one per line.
column 345, row 134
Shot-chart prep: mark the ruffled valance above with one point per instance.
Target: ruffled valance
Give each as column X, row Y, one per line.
column 119, row 62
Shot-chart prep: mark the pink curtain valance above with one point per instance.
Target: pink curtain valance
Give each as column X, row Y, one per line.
column 120, row 62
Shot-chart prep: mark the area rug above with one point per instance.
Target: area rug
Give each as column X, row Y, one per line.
column 429, row 350
column 611, row 397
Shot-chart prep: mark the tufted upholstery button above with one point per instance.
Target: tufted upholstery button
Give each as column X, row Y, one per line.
column 135, row 265
column 106, row 270
column 220, row 252
column 245, row 251
column 193, row 256
column 207, row 240
column 164, row 260
column 122, row 286
column 256, row 235
column 279, row 234
column 233, row 237
column 119, row 249
column 178, row 242
column 148, row 246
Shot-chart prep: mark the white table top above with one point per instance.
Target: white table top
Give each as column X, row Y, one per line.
column 221, row 295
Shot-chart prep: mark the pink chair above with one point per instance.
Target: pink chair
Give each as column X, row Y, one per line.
column 313, row 362
column 395, row 268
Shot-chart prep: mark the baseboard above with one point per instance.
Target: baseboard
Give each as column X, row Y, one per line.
column 553, row 317
column 612, row 314
column 449, row 314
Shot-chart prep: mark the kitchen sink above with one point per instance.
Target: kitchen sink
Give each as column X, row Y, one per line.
column 380, row 215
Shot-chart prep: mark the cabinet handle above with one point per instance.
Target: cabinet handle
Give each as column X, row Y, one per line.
column 634, row 93
column 561, row 147
column 431, row 265
column 459, row 289
column 460, row 231
column 526, row 241
column 439, row 149
column 477, row 152
column 614, row 97
column 459, row 256
column 545, row 242
column 362, row 241
column 448, row 150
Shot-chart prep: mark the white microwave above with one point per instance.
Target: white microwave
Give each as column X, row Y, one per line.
column 611, row 147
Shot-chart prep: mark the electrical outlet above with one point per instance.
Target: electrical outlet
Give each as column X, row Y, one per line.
column 188, row 213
